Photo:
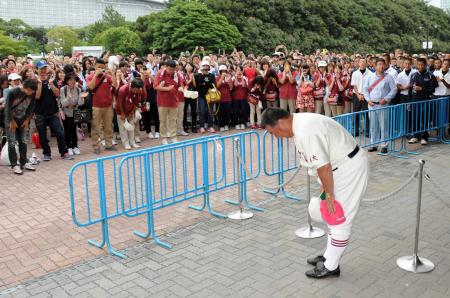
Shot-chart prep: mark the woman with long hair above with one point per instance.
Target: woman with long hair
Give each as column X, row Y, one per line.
column 288, row 87
column 305, row 98
column 271, row 88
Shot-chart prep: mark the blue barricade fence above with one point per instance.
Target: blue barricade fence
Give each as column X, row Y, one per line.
column 140, row 182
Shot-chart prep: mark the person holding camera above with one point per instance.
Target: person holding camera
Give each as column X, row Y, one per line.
column 101, row 85
column 47, row 111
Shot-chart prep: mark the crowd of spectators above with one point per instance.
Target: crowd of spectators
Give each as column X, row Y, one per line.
column 113, row 98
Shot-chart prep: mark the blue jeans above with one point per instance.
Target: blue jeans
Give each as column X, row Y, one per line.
column 52, row 121
column 205, row 111
column 13, row 137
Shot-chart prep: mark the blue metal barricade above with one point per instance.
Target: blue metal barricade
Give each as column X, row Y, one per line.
column 279, row 157
column 170, row 175
column 94, row 192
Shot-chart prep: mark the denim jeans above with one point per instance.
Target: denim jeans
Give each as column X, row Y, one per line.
column 18, row 136
column 205, row 111
column 52, row 121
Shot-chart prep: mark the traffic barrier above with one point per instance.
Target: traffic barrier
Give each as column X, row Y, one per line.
column 160, row 178
column 279, row 157
column 94, row 192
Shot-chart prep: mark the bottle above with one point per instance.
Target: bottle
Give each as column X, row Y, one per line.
column 332, row 219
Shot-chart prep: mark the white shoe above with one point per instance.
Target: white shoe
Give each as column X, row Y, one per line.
column 17, row 170
column 156, row 135
column 242, row 126
column 70, row 151
column 423, row 142
column 182, row 133
column 227, row 128
column 174, row 140
column 413, row 141
column 29, row 167
column 222, row 129
column 238, row 126
column 137, row 139
column 127, row 147
column 202, row 130
column 164, row 141
column 76, row 151
column 151, row 135
column 103, row 143
column 211, row 130
column 113, row 141
column 135, row 145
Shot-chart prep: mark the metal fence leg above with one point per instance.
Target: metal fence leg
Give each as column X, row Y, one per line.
column 105, row 241
column 414, row 263
column 309, row 232
column 152, row 232
column 241, row 213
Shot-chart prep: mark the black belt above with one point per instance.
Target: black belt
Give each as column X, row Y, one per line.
column 350, row 155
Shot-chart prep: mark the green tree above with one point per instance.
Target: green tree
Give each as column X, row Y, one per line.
column 15, row 28
column 110, row 18
column 64, row 37
column 120, row 40
column 186, row 24
column 8, row 46
column 339, row 25
column 145, row 28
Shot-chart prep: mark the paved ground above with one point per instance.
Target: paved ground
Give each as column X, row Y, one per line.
column 260, row 257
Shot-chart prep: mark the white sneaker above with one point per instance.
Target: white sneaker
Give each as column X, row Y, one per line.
column 127, row 147
column 76, row 151
column 113, row 141
column 29, row 167
column 174, row 140
column 222, row 129
column 211, row 129
column 238, row 126
column 17, row 170
column 242, row 126
column 70, row 151
column 182, row 133
column 151, row 135
column 164, row 141
column 135, row 145
column 202, row 130
column 413, row 141
column 227, row 128
column 137, row 139
column 156, row 135
column 103, row 143
column 423, row 142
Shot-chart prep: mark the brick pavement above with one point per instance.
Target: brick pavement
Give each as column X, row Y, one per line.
column 259, row 258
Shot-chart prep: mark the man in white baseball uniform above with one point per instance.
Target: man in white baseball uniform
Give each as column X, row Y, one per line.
column 331, row 153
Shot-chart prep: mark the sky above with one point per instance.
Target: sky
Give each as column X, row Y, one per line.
column 436, row 3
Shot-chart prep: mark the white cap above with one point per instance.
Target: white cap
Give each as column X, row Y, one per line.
column 204, row 63
column 14, row 76
column 223, row 67
column 322, row 63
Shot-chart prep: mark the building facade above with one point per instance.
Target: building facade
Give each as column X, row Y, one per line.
column 73, row 13
column 445, row 5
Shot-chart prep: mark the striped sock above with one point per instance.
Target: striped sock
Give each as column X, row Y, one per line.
column 334, row 253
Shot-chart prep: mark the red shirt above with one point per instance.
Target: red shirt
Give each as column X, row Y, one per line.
column 318, row 75
column 240, row 92
column 167, row 99
column 288, row 90
column 128, row 101
column 250, row 73
column 225, row 90
column 103, row 97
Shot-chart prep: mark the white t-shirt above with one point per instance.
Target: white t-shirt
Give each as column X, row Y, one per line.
column 358, row 79
column 404, row 79
column 320, row 140
column 442, row 90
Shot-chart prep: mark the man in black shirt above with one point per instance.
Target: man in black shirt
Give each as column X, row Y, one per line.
column 47, row 112
column 203, row 82
column 423, row 84
column 19, row 107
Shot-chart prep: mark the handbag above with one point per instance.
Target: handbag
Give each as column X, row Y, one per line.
column 271, row 96
column 213, row 95
column 332, row 100
column 319, row 93
column 190, row 94
column 82, row 115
